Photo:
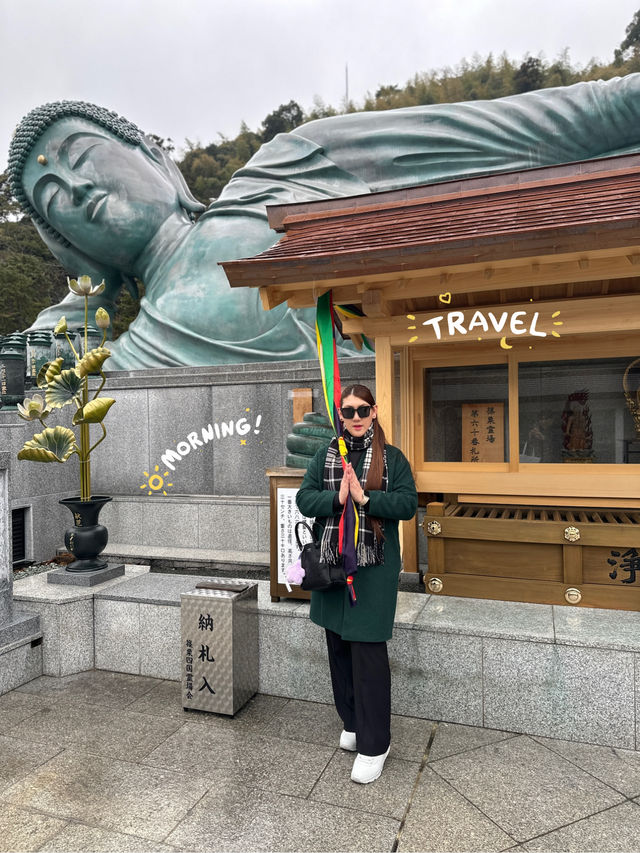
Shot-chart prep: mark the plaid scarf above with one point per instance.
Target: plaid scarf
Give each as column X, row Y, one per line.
column 369, row 550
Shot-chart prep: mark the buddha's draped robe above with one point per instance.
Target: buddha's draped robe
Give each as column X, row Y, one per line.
column 184, row 320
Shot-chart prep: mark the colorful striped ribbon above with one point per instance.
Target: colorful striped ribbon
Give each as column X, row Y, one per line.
column 349, row 312
column 330, row 372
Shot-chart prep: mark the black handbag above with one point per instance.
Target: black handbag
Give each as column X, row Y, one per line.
column 317, row 574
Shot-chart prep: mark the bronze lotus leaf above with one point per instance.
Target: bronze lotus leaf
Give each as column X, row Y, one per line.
column 50, row 445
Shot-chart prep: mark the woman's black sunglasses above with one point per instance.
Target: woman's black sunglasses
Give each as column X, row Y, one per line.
column 348, row 412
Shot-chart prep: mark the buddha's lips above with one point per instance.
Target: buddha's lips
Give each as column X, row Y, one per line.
column 95, row 205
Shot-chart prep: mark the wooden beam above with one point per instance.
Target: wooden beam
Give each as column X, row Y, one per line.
column 608, row 596
column 374, row 304
column 540, row 270
column 578, row 317
column 543, row 500
column 271, row 298
column 612, row 484
column 306, row 299
column 438, row 354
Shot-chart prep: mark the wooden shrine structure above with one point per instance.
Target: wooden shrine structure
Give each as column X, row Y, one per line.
column 504, row 310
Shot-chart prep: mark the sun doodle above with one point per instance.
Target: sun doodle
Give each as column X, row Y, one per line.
column 413, row 338
column 556, row 323
column 155, row 482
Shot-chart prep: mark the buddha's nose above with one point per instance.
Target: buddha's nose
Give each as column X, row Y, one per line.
column 79, row 190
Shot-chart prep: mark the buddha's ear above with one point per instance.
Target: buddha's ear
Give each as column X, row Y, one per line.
column 168, row 166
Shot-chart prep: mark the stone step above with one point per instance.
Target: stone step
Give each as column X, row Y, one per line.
column 252, row 565
column 249, row 564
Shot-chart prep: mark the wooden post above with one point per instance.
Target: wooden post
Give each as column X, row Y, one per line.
column 280, row 478
column 302, row 403
column 408, row 529
column 572, row 564
column 514, row 415
column 435, row 545
column 384, row 386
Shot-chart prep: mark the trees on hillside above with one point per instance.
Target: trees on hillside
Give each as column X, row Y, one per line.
column 207, row 170
column 632, row 34
column 285, row 118
column 30, row 277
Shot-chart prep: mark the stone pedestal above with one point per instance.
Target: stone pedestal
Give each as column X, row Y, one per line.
column 113, row 570
column 20, row 636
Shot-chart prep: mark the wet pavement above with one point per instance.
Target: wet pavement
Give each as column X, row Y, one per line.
column 106, row 761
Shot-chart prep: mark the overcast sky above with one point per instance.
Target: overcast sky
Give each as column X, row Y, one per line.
column 196, row 68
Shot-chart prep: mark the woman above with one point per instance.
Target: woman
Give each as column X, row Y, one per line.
column 379, row 480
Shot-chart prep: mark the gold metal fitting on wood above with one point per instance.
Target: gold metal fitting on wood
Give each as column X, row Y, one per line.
column 573, row 595
column 435, row 584
column 571, row 534
column 434, row 528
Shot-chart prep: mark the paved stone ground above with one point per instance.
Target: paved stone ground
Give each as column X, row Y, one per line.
column 110, row 762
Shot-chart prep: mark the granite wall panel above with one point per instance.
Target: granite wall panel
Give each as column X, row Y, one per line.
column 117, row 636
column 560, row 691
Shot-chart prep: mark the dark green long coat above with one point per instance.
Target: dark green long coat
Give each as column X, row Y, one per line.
column 376, row 587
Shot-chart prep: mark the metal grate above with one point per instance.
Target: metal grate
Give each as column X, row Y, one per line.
column 537, row 513
column 18, row 534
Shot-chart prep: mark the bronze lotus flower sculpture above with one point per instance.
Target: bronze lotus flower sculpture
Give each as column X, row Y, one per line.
column 64, row 387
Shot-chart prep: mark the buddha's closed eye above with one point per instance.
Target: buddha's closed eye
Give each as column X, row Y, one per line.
column 79, row 151
column 44, row 193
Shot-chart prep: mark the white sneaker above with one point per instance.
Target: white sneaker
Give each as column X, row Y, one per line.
column 348, row 741
column 367, row 768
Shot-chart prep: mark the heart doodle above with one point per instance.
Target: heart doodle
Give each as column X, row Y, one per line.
column 445, row 297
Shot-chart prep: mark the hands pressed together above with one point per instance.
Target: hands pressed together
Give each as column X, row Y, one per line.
column 350, row 485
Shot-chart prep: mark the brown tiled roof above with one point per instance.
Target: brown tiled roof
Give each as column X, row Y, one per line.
column 543, row 211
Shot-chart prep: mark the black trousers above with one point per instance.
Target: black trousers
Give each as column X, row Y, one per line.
column 361, row 683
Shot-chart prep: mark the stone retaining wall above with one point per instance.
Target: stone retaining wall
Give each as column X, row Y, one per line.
column 538, row 669
column 201, row 432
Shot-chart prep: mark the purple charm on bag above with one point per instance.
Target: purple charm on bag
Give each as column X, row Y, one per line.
column 295, row 572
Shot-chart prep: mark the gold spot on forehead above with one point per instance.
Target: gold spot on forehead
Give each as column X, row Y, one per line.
column 42, row 160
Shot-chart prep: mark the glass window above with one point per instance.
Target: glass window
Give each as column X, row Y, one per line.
column 575, row 412
column 466, row 413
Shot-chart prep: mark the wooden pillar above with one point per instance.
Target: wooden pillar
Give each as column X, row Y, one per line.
column 385, row 376
column 384, row 386
column 514, row 415
column 302, row 402
column 572, row 564
column 408, row 529
column 436, row 544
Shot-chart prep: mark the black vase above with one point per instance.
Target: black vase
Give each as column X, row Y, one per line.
column 87, row 539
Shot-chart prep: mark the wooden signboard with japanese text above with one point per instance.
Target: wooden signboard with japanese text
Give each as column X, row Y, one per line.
column 483, row 432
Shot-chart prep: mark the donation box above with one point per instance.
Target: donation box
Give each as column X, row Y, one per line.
column 219, row 646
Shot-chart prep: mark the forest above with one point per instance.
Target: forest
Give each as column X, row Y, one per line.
column 31, row 278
